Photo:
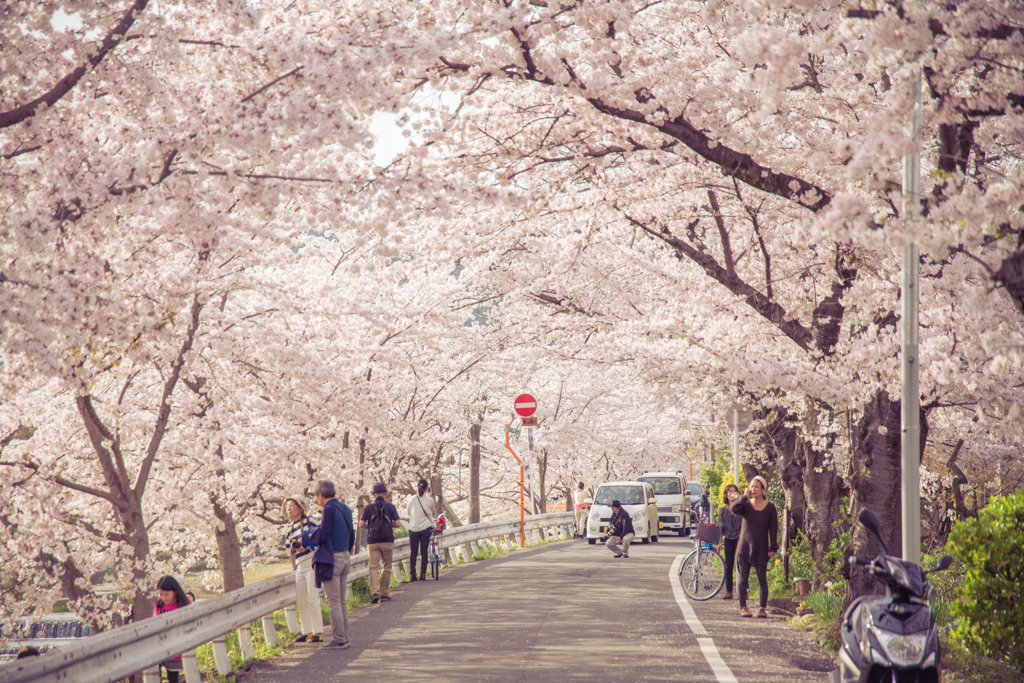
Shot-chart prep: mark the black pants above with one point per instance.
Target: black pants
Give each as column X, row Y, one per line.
column 418, row 541
column 729, row 549
column 762, row 582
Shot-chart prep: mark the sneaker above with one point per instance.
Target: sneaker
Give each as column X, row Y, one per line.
column 385, row 598
column 375, row 598
column 625, row 554
column 762, row 613
column 727, row 596
column 315, row 638
column 744, row 612
column 301, row 639
column 412, row 578
column 619, row 555
column 338, row 645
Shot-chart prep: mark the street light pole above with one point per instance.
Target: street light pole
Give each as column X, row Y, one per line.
column 910, row 400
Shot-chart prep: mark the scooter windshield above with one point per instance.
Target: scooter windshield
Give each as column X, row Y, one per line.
column 906, row 574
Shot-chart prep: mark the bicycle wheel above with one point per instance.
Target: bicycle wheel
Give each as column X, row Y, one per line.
column 435, row 569
column 702, row 574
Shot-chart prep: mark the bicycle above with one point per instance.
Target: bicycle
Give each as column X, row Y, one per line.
column 702, row 573
column 434, row 555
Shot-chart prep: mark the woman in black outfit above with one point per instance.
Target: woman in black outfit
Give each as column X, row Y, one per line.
column 731, row 526
column 758, row 541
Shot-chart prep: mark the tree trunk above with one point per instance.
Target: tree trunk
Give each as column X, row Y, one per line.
column 474, row 474
column 229, row 550
column 875, row 484
column 360, row 487
column 789, row 466
column 822, row 492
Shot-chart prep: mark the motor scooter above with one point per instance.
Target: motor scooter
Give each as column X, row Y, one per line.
column 890, row 639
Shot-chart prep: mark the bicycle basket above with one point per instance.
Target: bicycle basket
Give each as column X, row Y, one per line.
column 709, row 533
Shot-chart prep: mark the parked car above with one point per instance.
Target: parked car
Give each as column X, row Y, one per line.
column 673, row 494
column 696, row 492
column 637, row 499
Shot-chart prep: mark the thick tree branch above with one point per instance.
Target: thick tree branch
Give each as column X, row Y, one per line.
column 723, row 233
column 163, row 416
column 768, row 309
column 64, row 86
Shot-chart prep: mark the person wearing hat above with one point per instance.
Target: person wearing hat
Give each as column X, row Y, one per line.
column 421, row 522
column 758, row 541
column 380, row 519
column 307, row 595
column 620, row 530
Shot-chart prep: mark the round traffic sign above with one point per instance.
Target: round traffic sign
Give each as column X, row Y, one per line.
column 525, row 405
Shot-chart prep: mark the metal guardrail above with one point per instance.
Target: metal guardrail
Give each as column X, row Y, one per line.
column 116, row 654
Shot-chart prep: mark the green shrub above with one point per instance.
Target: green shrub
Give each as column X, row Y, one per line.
column 991, row 621
column 827, row 605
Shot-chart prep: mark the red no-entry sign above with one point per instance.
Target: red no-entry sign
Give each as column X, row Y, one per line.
column 525, row 405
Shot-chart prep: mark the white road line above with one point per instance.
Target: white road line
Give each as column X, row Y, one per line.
column 721, row 670
column 691, row 617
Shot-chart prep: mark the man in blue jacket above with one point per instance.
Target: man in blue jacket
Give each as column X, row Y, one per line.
column 333, row 540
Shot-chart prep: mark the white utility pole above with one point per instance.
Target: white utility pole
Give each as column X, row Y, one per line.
column 910, row 401
column 736, row 446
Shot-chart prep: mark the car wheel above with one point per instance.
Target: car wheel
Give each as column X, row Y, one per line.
column 591, row 541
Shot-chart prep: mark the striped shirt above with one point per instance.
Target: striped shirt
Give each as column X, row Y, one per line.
column 294, row 536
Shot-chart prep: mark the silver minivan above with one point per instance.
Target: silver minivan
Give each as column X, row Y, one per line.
column 637, row 499
column 673, row 496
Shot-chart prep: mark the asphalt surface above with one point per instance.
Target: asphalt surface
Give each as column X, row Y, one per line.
column 564, row 611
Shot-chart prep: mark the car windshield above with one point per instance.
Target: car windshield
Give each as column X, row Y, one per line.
column 627, row 495
column 695, row 489
column 664, row 485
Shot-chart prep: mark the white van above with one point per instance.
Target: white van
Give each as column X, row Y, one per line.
column 637, row 499
column 670, row 488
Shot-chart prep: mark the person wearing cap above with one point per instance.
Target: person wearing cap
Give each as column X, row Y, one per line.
column 758, row 541
column 381, row 520
column 333, row 539
column 307, row 595
column 421, row 522
column 620, row 530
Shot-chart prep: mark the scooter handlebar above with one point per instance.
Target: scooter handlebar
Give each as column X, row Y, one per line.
column 859, row 562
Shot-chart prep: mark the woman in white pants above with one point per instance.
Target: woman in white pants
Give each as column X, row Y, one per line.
column 307, row 595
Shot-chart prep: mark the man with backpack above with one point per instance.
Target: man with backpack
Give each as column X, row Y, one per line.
column 380, row 519
column 333, row 539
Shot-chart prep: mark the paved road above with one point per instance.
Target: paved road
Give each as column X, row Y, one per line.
column 564, row 611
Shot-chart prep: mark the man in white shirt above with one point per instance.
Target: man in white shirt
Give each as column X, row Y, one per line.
column 421, row 522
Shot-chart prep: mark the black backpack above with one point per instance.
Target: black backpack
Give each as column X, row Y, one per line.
column 379, row 524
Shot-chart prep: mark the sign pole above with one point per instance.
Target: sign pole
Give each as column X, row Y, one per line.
column 522, row 504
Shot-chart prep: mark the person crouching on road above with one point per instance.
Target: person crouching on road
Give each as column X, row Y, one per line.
column 307, row 595
column 333, row 539
column 381, row 519
column 758, row 541
column 620, row 530
column 421, row 522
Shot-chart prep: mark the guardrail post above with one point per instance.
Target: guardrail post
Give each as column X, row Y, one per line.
column 191, row 667
column 400, row 567
column 348, row 591
column 466, row 555
column 220, row 656
column 510, row 542
column 269, row 630
column 151, row 675
column 291, row 619
column 453, row 556
column 245, row 643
